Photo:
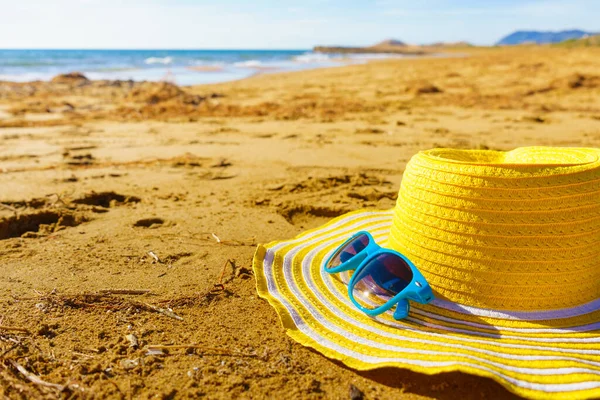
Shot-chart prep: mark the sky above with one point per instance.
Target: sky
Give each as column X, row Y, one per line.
column 278, row 24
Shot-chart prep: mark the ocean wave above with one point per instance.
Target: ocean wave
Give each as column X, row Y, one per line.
column 159, row 60
column 312, row 57
column 248, row 64
column 26, row 77
column 212, row 63
column 19, row 63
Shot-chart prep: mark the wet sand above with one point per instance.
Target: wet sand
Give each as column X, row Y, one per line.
column 109, row 186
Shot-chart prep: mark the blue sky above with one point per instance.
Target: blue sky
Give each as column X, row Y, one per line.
column 271, row 24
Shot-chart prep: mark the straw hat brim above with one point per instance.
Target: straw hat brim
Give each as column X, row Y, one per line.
column 540, row 355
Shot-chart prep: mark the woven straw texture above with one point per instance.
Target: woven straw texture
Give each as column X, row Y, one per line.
column 514, row 231
column 509, row 242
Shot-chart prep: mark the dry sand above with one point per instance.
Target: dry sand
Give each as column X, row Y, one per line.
column 116, row 185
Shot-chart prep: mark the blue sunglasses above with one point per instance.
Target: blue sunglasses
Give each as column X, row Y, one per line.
column 379, row 274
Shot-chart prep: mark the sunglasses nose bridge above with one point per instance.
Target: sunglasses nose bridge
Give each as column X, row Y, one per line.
column 422, row 293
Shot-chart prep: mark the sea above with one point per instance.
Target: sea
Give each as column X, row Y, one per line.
column 183, row 67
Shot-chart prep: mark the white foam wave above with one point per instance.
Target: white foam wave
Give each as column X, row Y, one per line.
column 159, row 60
column 210, row 64
column 248, row 64
column 312, row 57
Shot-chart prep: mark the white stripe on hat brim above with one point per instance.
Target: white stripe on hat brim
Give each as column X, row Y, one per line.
column 306, row 263
column 380, row 361
column 306, row 273
column 424, row 364
column 332, row 227
column 575, row 329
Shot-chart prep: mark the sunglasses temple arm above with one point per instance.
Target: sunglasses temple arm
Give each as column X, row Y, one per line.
column 402, row 309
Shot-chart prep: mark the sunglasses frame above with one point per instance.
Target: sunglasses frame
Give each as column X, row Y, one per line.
column 417, row 290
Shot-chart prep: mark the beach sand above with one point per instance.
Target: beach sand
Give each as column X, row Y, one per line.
column 117, row 185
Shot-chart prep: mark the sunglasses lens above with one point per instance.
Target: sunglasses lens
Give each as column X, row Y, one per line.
column 381, row 279
column 349, row 250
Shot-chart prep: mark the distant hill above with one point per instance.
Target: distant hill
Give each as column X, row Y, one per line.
column 390, row 43
column 387, row 46
column 540, row 37
column 450, row 44
column 589, row 41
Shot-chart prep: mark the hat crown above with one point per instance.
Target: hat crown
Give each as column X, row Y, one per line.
column 517, row 230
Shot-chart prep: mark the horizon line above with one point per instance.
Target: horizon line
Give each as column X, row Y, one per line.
column 154, row 49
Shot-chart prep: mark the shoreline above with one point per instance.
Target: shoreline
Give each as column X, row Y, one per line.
column 166, row 68
column 267, row 71
column 253, row 71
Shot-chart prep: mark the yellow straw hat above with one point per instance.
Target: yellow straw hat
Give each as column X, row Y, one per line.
column 510, row 244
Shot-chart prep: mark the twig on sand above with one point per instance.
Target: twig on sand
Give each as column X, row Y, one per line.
column 217, row 288
column 165, row 311
column 214, row 239
column 13, row 329
column 243, row 242
column 220, row 177
column 125, row 291
column 57, row 200
column 11, row 208
column 5, row 352
column 204, row 349
column 34, row 378
column 153, row 255
column 105, row 301
column 212, row 176
column 221, row 284
column 77, row 353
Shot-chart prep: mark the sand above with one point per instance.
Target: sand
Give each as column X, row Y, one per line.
column 150, row 187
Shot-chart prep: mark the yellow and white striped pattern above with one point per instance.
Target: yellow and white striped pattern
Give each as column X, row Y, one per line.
column 535, row 351
column 523, row 354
